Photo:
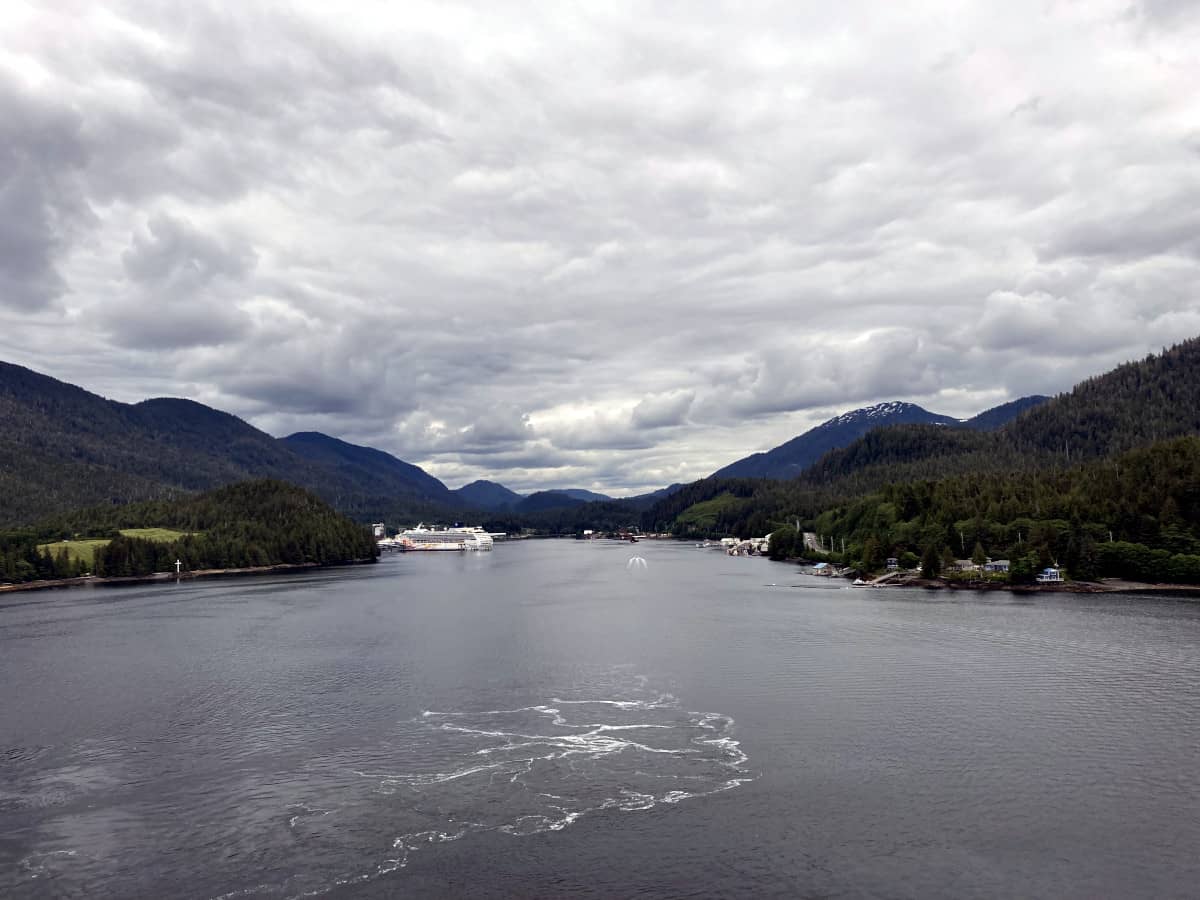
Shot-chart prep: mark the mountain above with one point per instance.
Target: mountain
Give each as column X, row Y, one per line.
column 790, row 459
column 1153, row 399
column 487, row 495
column 998, row 416
column 493, row 497
column 375, row 471
column 250, row 523
column 1136, row 405
column 544, row 500
column 585, row 496
column 62, row 447
column 645, row 501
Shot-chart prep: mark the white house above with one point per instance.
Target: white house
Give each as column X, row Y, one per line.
column 996, row 565
column 1050, row 575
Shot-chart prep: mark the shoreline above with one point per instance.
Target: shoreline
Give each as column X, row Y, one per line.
column 1104, row 586
column 117, row 581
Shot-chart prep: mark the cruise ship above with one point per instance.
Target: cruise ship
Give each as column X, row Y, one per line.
column 425, row 538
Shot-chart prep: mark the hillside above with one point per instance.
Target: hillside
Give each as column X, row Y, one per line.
column 487, row 495
column 251, row 523
column 584, row 495
column 1135, row 515
column 1132, row 406
column 1135, row 405
column 1149, row 400
column 545, row 500
column 373, row 471
column 791, row 458
column 62, row 447
column 999, row 416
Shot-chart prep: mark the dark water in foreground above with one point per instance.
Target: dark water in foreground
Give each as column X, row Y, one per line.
column 541, row 721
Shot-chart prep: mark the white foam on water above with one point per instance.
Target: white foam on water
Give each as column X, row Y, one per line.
column 37, row 864
column 305, row 812
column 536, row 769
column 540, row 768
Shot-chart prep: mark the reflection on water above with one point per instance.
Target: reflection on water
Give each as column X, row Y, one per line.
column 537, row 721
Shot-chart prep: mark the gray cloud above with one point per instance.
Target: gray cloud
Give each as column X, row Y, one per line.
column 612, row 247
column 660, row 410
column 183, row 285
column 43, row 205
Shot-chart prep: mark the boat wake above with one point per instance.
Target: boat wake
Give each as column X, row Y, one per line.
column 448, row 775
column 539, row 768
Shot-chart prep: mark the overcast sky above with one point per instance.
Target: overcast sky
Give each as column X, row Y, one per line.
column 609, row 246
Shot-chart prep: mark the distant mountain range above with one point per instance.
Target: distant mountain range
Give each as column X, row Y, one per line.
column 791, row 458
column 488, row 495
column 365, row 466
column 62, row 447
column 493, row 497
column 1146, row 403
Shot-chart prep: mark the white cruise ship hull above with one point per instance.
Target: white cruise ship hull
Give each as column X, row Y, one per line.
column 422, row 539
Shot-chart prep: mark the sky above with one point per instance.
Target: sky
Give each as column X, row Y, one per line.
column 611, row 245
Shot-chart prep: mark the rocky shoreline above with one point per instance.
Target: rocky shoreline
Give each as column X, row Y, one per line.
column 92, row 580
column 1104, row 586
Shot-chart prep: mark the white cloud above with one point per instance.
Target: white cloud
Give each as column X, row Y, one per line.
column 614, row 246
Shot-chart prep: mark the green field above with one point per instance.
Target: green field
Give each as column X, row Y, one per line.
column 704, row 515
column 162, row 535
column 84, row 549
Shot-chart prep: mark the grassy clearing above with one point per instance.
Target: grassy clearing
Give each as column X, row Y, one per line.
column 162, row 535
column 705, row 515
column 82, row 550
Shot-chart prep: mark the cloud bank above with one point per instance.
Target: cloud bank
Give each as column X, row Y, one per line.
column 610, row 247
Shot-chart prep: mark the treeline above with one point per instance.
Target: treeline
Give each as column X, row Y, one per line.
column 251, row 523
column 611, row 515
column 1135, row 405
column 21, row 560
column 1136, row 516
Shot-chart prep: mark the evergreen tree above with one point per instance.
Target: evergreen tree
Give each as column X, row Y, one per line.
column 931, row 562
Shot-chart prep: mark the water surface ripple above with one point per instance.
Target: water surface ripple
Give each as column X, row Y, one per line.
column 547, row 720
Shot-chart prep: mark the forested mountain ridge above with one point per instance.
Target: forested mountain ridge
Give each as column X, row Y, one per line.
column 250, row 523
column 62, row 447
column 1132, row 406
column 1134, row 515
column 585, row 495
column 374, row 471
column 493, row 497
column 487, row 495
column 999, row 416
column 1137, row 403
column 540, row 501
column 792, row 457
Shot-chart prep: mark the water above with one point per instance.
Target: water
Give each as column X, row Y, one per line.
column 547, row 720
